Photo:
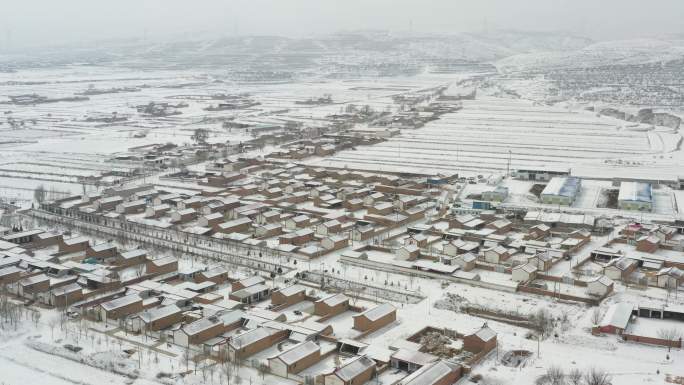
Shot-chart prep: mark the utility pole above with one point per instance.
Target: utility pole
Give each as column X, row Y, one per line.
column 508, row 165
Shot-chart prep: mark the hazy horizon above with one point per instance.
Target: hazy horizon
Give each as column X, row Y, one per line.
column 45, row 23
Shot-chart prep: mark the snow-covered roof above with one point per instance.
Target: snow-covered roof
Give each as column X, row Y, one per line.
column 292, row 290
column 201, row 325
column 335, row 299
column 562, row 186
column 247, row 338
column 485, row 333
column 352, row 368
column 121, row 302
column 429, row 374
column 603, row 280
column 528, row 268
column 135, row 253
column 76, row 240
column 377, row 312
column 635, row 192
column 103, row 246
column 298, row 352
column 414, row 356
column 251, row 281
column 158, row 313
column 618, row 315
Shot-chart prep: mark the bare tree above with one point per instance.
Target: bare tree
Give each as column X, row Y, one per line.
column 596, row 376
column 670, row 334
column 554, row 376
column 263, row 369
column 596, row 316
column 543, row 322
column 39, row 194
column 227, row 370
column 574, row 377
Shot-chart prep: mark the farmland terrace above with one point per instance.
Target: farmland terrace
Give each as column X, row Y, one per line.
column 487, row 131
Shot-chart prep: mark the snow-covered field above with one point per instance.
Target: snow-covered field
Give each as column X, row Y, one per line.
column 493, row 134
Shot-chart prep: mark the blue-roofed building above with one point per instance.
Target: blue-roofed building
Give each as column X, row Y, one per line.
column 635, row 196
column 561, row 191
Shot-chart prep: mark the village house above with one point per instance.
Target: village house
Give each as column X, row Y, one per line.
column 375, row 318
column 31, row 287
column 600, row 286
column 157, row 211
column 10, row 275
column 542, row 260
column 436, row 373
column 617, row 318
column 329, row 227
column 648, row 244
column 295, row 359
column 298, row 238
column 483, row 340
column 132, row 207
column 497, row 194
column 162, row 265
column 47, row 239
column 270, row 216
column 107, row 204
column 253, row 341
column 119, row 308
column 419, row 239
column 297, row 222
column 210, row 220
column 269, row 230
column 239, row 225
column 500, row 226
column 217, row 275
column 620, row 269
column 382, row 208
column 156, row 319
column 66, row 295
column 183, row 215
column 363, row 233
column 251, row 294
column 247, row 282
column 131, row 258
column 408, row 253
column 335, row 242
column 288, row 296
column 410, row 360
column 356, row 371
column 331, row 305
column 524, row 273
column 459, row 246
column 198, row 331
column 496, row 254
column 539, row 231
column 73, row 245
column 670, row 277
column 561, row 191
column 101, row 251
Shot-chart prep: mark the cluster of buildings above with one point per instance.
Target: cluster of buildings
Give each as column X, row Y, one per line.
column 300, row 211
column 298, row 331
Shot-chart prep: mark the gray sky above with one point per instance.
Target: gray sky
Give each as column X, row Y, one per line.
column 47, row 22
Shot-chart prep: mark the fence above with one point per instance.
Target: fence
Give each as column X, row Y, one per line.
column 345, row 285
column 653, row 341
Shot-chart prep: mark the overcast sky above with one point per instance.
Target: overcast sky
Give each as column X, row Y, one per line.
column 45, row 22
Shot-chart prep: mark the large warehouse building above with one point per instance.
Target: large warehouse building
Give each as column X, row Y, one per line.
column 635, row 196
column 561, row 191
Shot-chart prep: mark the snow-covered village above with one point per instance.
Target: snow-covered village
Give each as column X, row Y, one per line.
column 361, row 203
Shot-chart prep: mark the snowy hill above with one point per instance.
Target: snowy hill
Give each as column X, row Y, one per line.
column 623, row 52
